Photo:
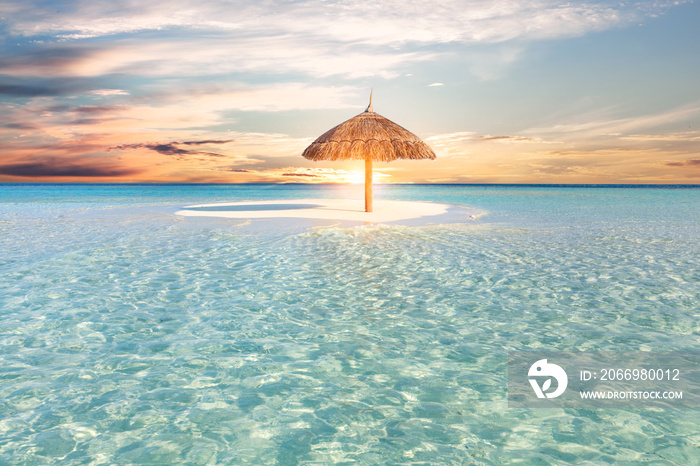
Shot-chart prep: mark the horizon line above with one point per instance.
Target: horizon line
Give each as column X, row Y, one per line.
column 554, row 185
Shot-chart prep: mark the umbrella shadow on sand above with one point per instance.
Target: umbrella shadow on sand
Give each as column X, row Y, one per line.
column 253, row 207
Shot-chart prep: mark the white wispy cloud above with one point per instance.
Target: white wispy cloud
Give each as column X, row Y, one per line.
column 387, row 22
column 686, row 136
column 109, row 92
column 602, row 122
column 463, row 142
column 193, row 56
column 354, row 38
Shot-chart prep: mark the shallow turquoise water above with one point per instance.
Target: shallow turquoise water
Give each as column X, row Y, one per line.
column 129, row 335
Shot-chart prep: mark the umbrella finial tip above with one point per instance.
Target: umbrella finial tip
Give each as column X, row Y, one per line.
column 369, row 107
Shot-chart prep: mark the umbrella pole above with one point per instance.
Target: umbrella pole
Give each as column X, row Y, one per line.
column 368, row 184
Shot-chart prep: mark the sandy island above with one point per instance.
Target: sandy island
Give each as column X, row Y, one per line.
column 352, row 210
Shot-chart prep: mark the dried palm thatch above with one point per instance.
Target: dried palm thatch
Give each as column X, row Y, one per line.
column 369, row 137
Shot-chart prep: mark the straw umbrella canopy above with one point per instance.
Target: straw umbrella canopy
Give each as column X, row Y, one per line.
column 369, row 137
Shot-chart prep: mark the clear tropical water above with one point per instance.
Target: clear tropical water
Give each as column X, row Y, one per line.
column 129, row 335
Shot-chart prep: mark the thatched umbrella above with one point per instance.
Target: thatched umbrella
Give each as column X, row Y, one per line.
column 368, row 136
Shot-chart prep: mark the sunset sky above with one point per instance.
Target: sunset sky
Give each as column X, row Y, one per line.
column 511, row 91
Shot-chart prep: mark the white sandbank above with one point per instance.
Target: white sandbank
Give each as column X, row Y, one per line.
column 326, row 209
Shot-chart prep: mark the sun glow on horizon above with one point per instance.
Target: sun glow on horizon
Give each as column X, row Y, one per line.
column 358, row 177
column 337, row 176
column 355, row 177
